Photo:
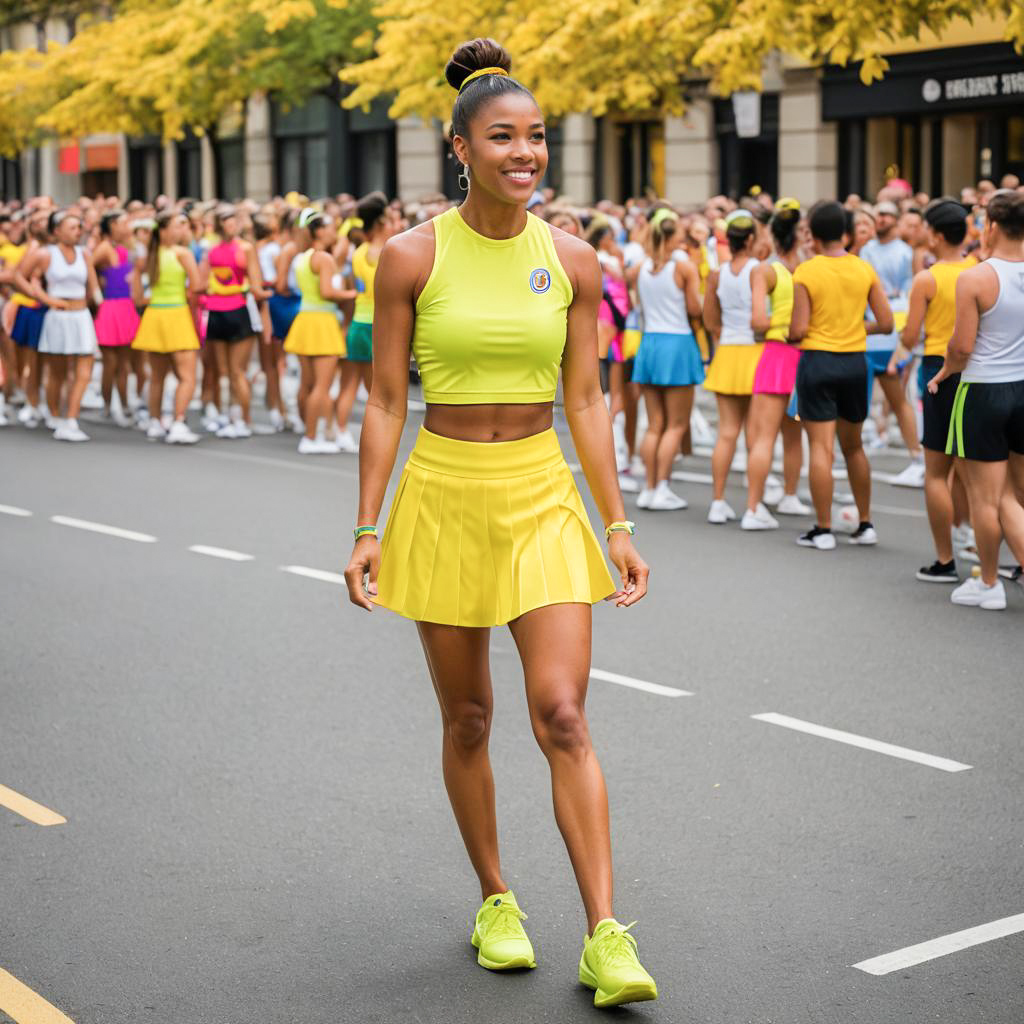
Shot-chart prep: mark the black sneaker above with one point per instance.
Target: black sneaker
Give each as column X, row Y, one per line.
column 819, row 538
column 1014, row 573
column 938, row 572
column 864, row 534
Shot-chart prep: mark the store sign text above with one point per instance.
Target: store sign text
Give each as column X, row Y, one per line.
column 1009, row 83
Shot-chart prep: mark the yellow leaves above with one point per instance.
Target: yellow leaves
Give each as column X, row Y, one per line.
column 278, row 14
column 873, row 67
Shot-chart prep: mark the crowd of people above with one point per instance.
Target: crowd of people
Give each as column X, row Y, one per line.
column 834, row 322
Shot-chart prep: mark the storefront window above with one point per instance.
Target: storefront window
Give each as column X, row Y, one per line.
column 744, row 163
column 300, row 143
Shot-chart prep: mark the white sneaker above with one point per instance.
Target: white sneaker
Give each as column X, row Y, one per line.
column 295, row 421
column 50, row 421
column 791, row 505
column 180, row 434
column 317, row 446
column 4, row 421
column 29, row 416
column 141, row 416
column 759, row 519
column 628, row 484
column 242, row 429
column 276, row 420
column 229, row 432
column 912, row 476
column 155, row 431
column 211, row 412
column 621, row 448
column 974, row 592
column 823, row 540
column 346, row 442
column 69, row 430
column 774, row 492
column 120, row 419
column 665, row 499
column 645, row 497
column 864, row 535
column 721, row 512
column 637, row 467
column 327, row 447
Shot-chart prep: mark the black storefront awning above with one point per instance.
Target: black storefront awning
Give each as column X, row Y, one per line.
column 932, row 82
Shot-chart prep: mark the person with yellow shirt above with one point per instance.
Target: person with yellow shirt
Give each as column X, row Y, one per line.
column 831, row 292
column 932, row 307
column 11, row 251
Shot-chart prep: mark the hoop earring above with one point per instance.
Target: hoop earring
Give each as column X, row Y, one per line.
column 464, row 178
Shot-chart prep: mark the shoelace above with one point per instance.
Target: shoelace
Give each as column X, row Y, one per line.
column 505, row 925
column 615, row 947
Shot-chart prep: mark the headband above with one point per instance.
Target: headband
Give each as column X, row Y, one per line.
column 480, row 74
column 307, row 215
column 788, row 203
column 662, row 215
column 740, row 219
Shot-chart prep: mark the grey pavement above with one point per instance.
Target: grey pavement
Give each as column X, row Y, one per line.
column 257, row 829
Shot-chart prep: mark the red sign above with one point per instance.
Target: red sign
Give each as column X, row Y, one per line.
column 68, row 161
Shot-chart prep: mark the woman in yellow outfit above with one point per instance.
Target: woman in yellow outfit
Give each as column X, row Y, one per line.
column 167, row 330
column 487, row 527
column 315, row 336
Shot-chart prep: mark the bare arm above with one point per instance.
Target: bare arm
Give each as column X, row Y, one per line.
column 92, row 281
column 284, row 261
column 192, row 276
column 879, row 305
column 327, row 268
column 800, row 321
column 688, row 281
column 587, row 414
column 965, row 329
column 28, row 278
column 712, row 308
column 253, row 272
column 135, row 280
column 762, row 282
column 922, row 291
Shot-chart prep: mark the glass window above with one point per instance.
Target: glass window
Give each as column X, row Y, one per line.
column 315, row 178
column 231, row 169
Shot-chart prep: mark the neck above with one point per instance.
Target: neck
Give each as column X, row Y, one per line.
column 491, row 219
column 789, row 259
column 946, row 253
column 832, row 249
column 887, row 236
column 1006, row 249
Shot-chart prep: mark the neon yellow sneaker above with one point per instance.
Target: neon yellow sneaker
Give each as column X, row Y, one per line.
column 610, row 966
column 499, row 935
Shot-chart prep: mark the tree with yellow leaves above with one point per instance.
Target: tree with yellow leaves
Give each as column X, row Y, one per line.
column 631, row 55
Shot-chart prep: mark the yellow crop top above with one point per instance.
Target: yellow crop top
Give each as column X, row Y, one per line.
column 781, row 303
column 491, row 319
column 940, row 316
column 364, row 272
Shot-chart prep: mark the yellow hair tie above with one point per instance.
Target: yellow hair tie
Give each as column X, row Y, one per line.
column 480, row 74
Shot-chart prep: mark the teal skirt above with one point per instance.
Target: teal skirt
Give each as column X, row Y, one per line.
column 360, row 342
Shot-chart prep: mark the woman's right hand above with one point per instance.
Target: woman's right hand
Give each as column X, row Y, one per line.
column 365, row 561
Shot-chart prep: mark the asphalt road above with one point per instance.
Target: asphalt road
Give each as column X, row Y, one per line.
column 256, row 828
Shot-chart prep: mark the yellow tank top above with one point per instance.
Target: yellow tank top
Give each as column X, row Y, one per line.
column 169, row 289
column 491, row 320
column 12, row 255
column 781, row 302
column 363, row 271
column 309, row 286
column 940, row 316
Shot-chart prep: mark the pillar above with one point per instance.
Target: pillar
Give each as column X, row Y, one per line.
column 808, row 148
column 691, row 155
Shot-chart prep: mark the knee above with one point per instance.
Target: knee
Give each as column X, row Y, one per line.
column 467, row 725
column 562, row 726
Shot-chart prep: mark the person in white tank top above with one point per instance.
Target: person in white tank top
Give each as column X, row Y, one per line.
column 987, row 428
column 728, row 306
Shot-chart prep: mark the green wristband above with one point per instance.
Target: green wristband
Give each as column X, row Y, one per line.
column 364, row 531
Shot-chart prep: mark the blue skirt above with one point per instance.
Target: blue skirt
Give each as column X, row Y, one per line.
column 28, row 325
column 668, row 361
column 283, row 310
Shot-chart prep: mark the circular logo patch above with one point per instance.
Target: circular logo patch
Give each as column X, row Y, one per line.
column 931, row 90
column 540, row 281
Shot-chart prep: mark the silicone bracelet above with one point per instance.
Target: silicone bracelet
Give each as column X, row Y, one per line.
column 623, row 526
column 364, row 531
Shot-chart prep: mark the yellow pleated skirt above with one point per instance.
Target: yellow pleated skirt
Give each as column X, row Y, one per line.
column 733, row 368
column 480, row 533
column 166, row 329
column 315, row 334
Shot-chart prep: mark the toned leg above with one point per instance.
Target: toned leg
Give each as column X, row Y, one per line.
column 211, row 374
column 160, row 366
column 318, row 402
column 894, row 389
column 271, row 371
column 764, row 422
column 678, row 405
column 457, row 661
column 654, row 400
column 986, row 482
column 239, row 353
column 961, row 506
column 822, row 439
column 1011, row 508
column 938, row 500
column 56, row 373
column 185, row 371
column 81, row 372
column 792, row 453
column 732, row 410
column 554, row 645
column 108, row 367
column 630, row 400
column 350, row 377
column 857, row 466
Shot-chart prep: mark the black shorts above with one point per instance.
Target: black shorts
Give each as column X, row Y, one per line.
column 987, row 422
column 938, row 408
column 832, row 386
column 228, row 325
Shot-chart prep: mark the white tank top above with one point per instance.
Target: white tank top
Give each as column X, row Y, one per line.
column 663, row 302
column 735, row 298
column 998, row 355
column 66, row 280
column 268, row 261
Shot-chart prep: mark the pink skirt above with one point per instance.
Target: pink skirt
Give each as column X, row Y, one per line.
column 116, row 323
column 776, row 370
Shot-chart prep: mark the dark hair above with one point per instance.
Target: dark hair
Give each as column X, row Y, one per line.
column 162, row 219
column 783, row 226
column 948, row 218
column 473, row 56
column 597, row 231
column 107, row 220
column 662, row 232
column 827, row 221
column 370, row 209
column 261, row 226
column 221, row 214
column 738, row 236
column 1006, row 208
column 55, row 219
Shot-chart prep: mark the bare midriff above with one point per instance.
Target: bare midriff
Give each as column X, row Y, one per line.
column 489, row 422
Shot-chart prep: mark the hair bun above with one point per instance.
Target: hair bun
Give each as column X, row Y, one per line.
column 472, row 56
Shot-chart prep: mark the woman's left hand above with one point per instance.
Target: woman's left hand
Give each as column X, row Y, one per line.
column 632, row 568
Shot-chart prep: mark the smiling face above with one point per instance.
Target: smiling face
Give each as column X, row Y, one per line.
column 506, row 148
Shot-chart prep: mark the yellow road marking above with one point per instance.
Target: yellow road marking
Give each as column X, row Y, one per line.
column 29, row 809
column 19, row 1002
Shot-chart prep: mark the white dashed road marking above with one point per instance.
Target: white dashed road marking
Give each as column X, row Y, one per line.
column 879, row 747
column 314, row 574
column 110, row 531
column 13, row 510
column 638, row 684
column 226, row 553
column 911, row 956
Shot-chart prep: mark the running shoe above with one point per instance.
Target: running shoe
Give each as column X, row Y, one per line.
column 975, row 593
column 120, row 419
column 50, row 421
column 155, row 431
column 69, row 430
column 610, row 966
column 816, row 537
column 665, row 499
column 791, row 505
column 774, row 492
column 721, row 512
column 1013, row 573
column 759, row 519
column 864, row 534
column 346, row 442
column 628, row 484
column 938, row 572
column 645, row 497
column 912, row 476
column 499, row 937
column 29, row 416
column 4, row 421
column 242, row 429
column 276, row 420
column 180, row 434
